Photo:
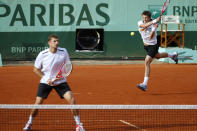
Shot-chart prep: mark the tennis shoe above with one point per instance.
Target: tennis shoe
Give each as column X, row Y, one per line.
column 28, row 127
column 80, row 127
column 175, row 57
column 142, row 87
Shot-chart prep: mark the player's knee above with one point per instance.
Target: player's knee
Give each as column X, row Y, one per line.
column 70, row 98
column 39, row 100
column 147, row 61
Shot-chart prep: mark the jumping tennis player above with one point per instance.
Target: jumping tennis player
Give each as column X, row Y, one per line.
column 46, row 66
column 147, row 28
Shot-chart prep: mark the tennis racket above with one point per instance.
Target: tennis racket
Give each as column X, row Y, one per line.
column 65, row 70
column 165, row 6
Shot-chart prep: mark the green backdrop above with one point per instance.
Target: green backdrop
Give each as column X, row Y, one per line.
column 25, row 25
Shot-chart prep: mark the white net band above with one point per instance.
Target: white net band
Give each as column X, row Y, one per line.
column 28, row 106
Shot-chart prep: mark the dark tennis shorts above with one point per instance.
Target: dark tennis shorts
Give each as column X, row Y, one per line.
column 152, row 50
column 44, row 90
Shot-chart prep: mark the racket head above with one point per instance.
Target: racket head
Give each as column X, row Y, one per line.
column 165, row 6
column 66, row 69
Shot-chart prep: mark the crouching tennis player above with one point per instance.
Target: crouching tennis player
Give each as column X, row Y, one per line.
column 46, row 65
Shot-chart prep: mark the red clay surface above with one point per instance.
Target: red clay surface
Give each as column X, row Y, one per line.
column 109, row 84
column 106, row 84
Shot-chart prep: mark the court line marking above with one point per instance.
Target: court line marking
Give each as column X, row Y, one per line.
column 127, row 123
column 123, row 121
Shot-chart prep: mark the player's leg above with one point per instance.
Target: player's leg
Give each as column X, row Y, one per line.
column 65, row 92
column 42, row 94
column 71, row 100
column 143, row 86
column 148, row 61
column 34, row 112
column 173, row 56
column 161, row 55
column 151, row 50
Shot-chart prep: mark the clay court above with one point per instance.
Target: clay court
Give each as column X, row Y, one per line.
column 106, row 84
column 107, row 42
column 110, row 84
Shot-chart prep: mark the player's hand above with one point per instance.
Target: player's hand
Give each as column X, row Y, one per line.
column 156, row 25
column 158, row 19
column 56, row 79
column 50, row 82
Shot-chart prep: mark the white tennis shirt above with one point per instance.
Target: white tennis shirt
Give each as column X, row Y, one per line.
column 146, row 34
column 50, row 64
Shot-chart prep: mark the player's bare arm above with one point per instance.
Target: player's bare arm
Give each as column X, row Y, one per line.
column 153, row 30
column 148, row 22
column 38, row 71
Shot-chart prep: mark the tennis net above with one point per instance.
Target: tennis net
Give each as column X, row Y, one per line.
column 101, row 117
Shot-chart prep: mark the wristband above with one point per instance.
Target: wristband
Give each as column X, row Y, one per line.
column 154, row 21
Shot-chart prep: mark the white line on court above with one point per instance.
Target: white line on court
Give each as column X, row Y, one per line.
column 127, row 123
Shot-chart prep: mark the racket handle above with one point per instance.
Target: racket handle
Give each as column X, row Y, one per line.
column 59, row 75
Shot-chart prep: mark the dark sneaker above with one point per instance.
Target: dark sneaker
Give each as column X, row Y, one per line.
column 175, row 57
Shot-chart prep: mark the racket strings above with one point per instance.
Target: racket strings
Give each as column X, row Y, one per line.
column 67, row 69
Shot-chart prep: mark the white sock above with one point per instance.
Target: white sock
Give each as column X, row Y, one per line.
column 145, row 80
column 77, row 120
column 30, row 120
